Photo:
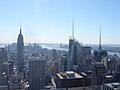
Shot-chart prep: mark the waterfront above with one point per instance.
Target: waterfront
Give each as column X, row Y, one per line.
column 56, row 46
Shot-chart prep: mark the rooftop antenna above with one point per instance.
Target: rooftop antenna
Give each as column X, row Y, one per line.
column 20, row 29
column 100, row 40
column 73, row 28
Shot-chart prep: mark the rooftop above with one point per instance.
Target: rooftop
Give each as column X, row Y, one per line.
column 99, row 64
column 68, row 75
column 116, row 86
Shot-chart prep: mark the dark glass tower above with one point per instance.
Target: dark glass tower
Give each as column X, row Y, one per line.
column 20, row 52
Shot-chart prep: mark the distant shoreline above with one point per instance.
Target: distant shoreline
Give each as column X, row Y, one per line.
column 111, row 49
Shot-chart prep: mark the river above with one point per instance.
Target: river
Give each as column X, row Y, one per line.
column 57, row 46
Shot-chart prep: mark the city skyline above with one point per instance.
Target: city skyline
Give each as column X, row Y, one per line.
column 50, row 21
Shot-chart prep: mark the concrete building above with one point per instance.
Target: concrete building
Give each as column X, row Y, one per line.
column 99, row 72
column 68, row 79
column 100, row 55
column 111, row 86
column 37, row 69
column 87, row 81
column 109, row 79
column 87, row 52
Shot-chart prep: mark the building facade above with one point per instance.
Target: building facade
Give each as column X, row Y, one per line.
column 1, row 72
column 3, row 54
column 68, row 79
column 75, row 56
column 37, row 72
column 20, row 52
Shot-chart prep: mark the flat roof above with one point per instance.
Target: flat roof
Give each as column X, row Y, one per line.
column 99, row 64
column 64, row 76
column 69, row 72
column 109, row 76
column 78, row 76
column 113, row 85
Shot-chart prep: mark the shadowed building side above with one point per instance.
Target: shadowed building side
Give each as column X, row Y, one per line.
column 1, row 72
column 37, row 73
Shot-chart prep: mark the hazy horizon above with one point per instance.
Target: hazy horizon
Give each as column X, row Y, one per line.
column 60, row 43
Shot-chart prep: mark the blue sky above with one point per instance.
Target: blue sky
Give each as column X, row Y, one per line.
column 51, row 20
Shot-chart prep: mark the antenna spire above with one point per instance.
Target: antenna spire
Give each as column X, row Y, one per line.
column 100, row 40
column 73, row 27
column 20, row 29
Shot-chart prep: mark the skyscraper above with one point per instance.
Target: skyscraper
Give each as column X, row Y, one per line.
column 75, row 54
column 37, row 69
column 99, row 67
column 20, row 52
column 75, row 51
column 1, row 72
column 3, row 54
column 99, row 54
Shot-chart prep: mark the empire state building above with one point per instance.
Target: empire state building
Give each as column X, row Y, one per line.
column 20, row 52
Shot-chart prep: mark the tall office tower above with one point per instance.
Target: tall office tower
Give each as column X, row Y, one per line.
column 1, row 72
column 37, row 74
column 75, row 51
column 87, row 58
column 55, row 67
column 54, row 54
column 20, row 52
column 87, row 52
column 70, row 60
column 71, row 50
column 3, row 54
column 100, row 54
column 99, row 67
column 75, row 54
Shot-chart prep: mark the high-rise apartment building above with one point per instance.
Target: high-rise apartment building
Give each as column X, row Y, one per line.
column 20, row 52
column 37, row 72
